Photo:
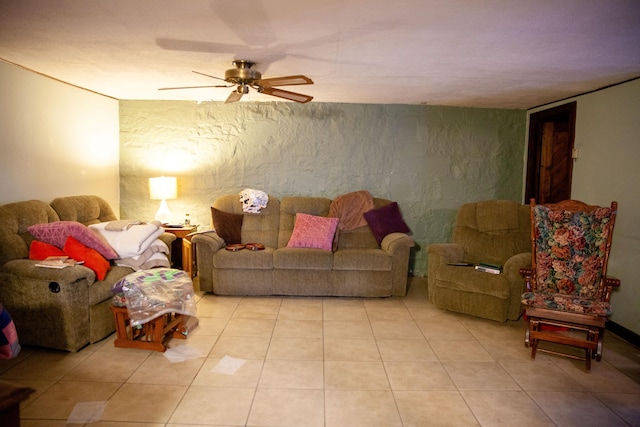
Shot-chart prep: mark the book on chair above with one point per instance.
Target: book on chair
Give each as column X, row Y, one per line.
column 489, row 268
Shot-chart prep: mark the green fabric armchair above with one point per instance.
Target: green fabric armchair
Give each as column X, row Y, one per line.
column 492, row 231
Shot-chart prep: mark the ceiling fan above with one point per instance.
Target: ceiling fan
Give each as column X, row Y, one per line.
column 244, row 77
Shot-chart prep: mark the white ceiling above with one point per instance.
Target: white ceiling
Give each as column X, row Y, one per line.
column 477, row 53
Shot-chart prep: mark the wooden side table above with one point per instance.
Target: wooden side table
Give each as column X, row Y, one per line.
column 182, row 253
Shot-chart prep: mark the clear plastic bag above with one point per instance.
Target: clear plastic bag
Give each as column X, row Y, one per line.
column 152, row 293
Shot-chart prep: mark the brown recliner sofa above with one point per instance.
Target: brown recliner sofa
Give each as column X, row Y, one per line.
column 358, row 267
column 495, row 232
column 63, row 309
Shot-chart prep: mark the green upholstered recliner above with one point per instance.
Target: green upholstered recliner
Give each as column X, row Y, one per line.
column 492, row 231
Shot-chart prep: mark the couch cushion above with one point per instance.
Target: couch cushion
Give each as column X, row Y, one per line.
column 362, row 259
column 15, row 219
column 386, row 220
column 84, row 209
column 497, row 215
column 303, row 259
column 228, row 225
column 244, row 259
column 256, row 227
column 312, row 231
column 492, row 247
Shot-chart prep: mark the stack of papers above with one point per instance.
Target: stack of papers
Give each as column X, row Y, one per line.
column 57, row 262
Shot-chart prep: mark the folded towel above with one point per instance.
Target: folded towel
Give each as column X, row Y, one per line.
column 350, row 209
column 154, row 256
column 122, row 224
column 132, row 241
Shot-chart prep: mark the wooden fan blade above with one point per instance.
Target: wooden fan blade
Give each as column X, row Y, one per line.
column 292, row 96
column 209, row 75
column 191, row 87
column 285, row 81
column 234, row 96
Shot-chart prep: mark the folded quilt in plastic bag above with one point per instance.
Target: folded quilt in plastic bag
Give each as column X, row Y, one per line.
column 152, row 293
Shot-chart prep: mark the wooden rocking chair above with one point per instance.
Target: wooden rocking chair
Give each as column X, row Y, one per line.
column 568, row 293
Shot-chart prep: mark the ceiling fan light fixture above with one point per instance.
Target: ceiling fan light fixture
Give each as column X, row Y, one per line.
column 243, row 77
column 242, row 73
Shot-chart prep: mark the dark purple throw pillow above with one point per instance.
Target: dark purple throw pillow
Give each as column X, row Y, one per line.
column 386, row 220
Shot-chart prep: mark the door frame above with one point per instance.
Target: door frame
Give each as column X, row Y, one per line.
column 537, row 122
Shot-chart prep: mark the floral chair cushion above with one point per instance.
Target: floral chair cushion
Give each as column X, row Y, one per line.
column 566, row 303
column 570, row 255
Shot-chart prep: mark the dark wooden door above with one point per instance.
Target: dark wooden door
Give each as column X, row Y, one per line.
column 550, row 154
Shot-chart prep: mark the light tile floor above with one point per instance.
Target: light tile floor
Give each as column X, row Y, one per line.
column 337, row 363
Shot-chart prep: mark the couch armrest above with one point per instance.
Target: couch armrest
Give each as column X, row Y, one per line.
column 167, row 238
column 511, row 270
column 206, row 244
column 394, row 241
column 398, row 246
column 27, row 269
column 513, row 265
column 439, row 255
column 210, row 240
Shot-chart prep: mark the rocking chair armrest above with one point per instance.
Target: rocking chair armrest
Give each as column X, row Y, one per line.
column 611, row 281
column 609, row 284
column 527, row 275
column 526, row 272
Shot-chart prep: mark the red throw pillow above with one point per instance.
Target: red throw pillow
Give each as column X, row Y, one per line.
column 40, row 250
column 91, row 257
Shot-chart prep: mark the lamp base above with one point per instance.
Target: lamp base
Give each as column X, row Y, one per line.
column 163, row 215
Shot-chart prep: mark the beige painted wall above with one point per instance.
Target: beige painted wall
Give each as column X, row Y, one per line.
column 608, row 137
column 57, row 140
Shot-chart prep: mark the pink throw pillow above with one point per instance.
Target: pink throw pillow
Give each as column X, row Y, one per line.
column 56, row 233
column 312, row 231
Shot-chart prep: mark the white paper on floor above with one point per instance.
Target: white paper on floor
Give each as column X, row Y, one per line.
column 228, row 365
column 181, row 353
column 86, row 412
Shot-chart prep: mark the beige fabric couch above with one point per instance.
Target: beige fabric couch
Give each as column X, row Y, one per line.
column 63, row 309
column 495, row 232
column 359, row 267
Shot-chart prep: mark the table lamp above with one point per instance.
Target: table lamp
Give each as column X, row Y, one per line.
column 163, row 188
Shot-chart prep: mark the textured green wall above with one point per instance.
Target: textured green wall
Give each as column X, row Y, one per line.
column 428, row 159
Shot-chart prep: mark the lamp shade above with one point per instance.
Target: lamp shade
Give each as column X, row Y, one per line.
column 163, row 188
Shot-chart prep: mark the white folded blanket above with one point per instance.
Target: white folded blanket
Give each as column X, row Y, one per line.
column 132, row 241
column 122, row 224
column 154, row 256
